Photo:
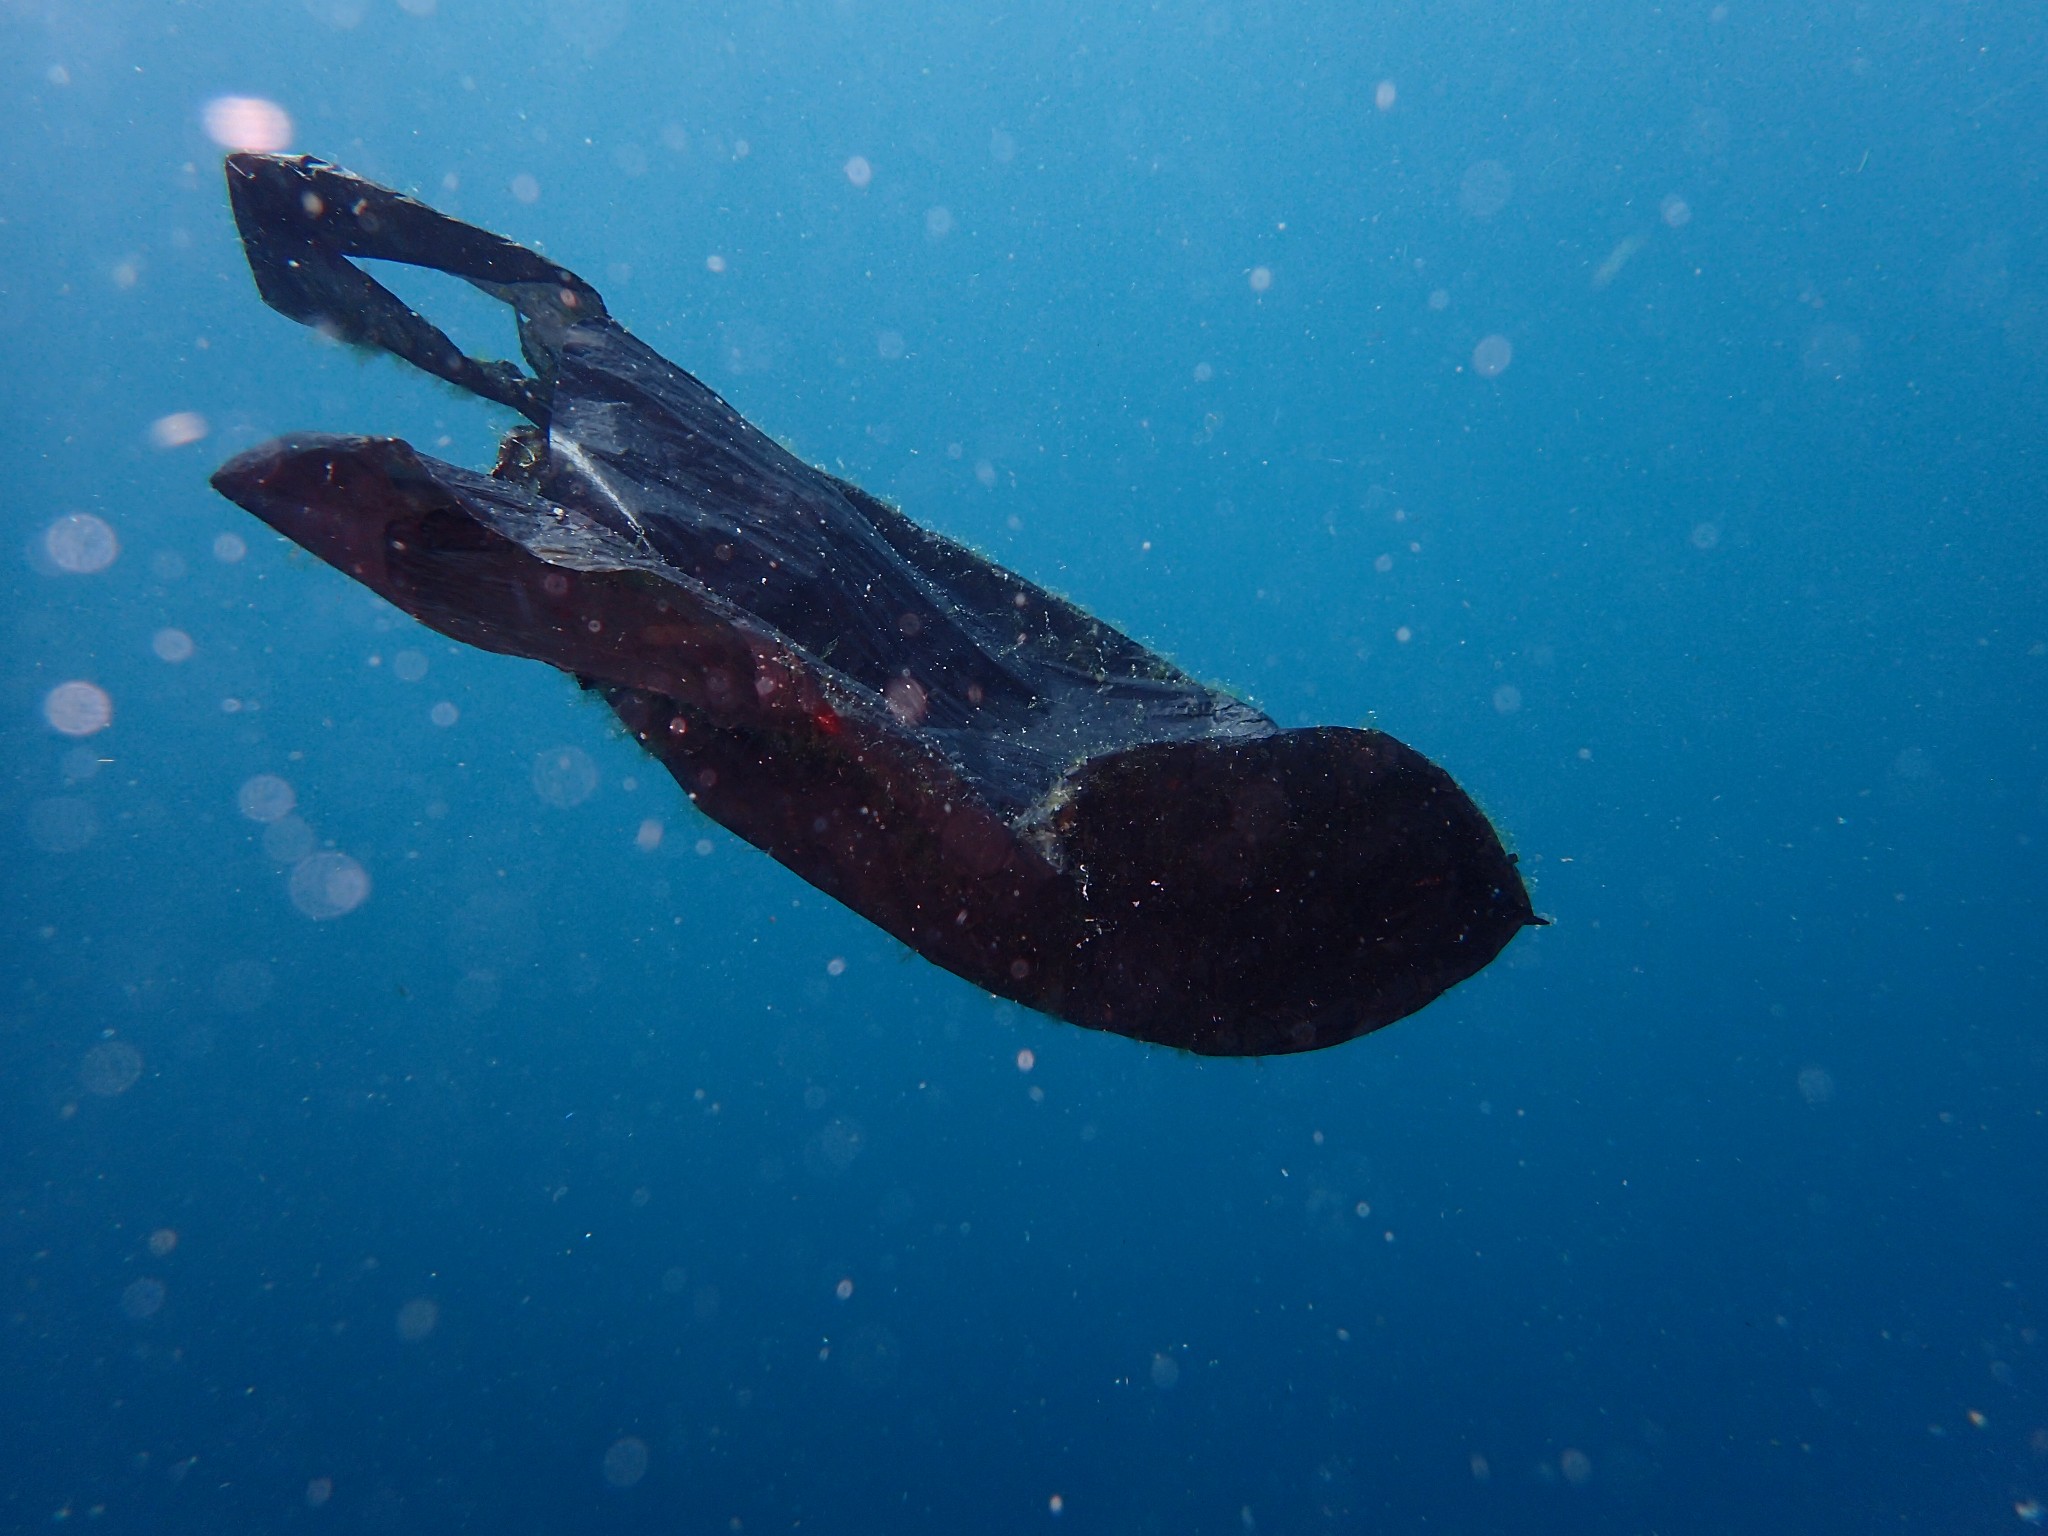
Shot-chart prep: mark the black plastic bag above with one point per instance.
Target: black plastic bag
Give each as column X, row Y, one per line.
column 1018, row 792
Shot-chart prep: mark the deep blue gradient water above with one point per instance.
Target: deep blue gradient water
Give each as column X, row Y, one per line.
column 594, row 1173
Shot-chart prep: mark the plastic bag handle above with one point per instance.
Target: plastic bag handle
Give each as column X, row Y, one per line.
column 301, row 218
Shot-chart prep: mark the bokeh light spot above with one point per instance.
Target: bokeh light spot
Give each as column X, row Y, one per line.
column 1491, row 357
column 78, row 708
column 1485, row 189
column 328, row 885
column 625, row 1461
column 62, row 824
column 172, row 645
column 417, row 1318
column 110, row 1068
column 248, row 123
column 266, row 798
column 564, row 776
column 142, row 1299
column 80, row 544
column 178, row 429
column 288, row 840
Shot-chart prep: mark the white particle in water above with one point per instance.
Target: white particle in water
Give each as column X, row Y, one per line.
column 1491, row 357
column 142, row 1299
column 564, row 776
column 178, row 429
column 172, row 645
column 78, row 708
column 266, row 798
column 328, row 885
column 625, row 1461
column 248, row 123
column 110, row 1068
column 62, row 824
column 288, row 840
column 417, row 1318
column 80, row 544
column 1486, row 188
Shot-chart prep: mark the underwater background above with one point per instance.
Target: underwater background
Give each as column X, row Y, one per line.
column 413, row 1116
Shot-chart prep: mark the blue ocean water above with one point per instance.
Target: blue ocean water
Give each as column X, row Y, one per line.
column 1639, row 410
